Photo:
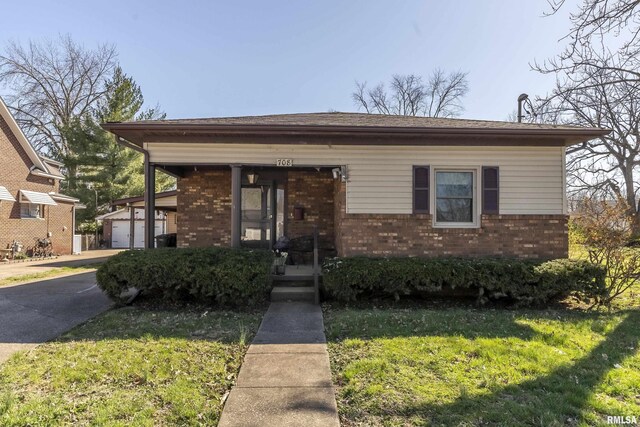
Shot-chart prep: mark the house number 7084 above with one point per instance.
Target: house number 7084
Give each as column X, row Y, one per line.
column 284, row 162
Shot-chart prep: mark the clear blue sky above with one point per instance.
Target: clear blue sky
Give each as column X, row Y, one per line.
column 223, row 58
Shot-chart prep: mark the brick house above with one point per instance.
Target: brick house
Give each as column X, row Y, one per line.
column 31, row 206
column 372, row 184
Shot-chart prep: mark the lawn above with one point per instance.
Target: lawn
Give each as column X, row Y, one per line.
column 130, row 366
column 465, row 366
column 55, row 272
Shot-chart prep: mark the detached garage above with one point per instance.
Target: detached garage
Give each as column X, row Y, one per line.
column 117, row 227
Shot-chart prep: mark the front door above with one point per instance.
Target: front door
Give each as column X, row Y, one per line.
column 262, row 214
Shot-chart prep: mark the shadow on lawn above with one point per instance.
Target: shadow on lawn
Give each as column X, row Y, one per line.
column 162, row 321
column 554, row 398
column 466, row 322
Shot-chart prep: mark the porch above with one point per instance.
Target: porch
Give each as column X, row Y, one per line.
column 254, row 206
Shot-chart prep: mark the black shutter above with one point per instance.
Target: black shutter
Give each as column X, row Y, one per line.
column 490, row 190
column 421, row 189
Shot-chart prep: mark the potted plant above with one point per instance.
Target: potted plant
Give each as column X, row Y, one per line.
column 279, row 262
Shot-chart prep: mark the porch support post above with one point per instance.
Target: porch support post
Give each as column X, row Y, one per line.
column 132, row 226
column 236, row 191
column 149, row 202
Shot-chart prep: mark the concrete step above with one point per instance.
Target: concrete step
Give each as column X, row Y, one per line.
column 292, row 283
column 289, row 293
column 292, row 277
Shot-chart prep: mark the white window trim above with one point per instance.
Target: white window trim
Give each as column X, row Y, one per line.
column 477, row 211
column 41, row 217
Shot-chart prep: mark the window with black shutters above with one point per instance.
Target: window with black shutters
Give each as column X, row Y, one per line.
column 490, row 190
column 421, row 189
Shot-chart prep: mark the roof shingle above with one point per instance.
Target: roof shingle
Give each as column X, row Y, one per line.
column 353, row 120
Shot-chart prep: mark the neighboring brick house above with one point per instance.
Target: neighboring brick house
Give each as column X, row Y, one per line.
column 31, row 206
column 373, row 184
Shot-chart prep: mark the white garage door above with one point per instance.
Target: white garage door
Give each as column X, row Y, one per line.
column 120, row 234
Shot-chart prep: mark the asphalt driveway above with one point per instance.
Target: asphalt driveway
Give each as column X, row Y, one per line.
column 40, row 311
column 20, row 268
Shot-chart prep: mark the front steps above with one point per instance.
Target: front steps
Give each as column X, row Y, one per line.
column 295, row 285
column 293, row 293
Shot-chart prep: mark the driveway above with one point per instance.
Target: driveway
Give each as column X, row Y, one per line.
column 21, row 268
column 40, row 311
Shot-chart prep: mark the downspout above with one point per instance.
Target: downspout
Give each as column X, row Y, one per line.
column 73, row 230
column 149, row 202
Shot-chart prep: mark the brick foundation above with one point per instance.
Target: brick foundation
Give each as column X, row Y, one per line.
column 204, row 219
column 204, row 208
column 519, row 236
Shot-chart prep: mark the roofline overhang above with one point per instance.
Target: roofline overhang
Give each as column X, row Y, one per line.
column 36, row 160
column 51, row 161
column 137, row 133
column 38, row 172
column 64, row 198
column 134, row 199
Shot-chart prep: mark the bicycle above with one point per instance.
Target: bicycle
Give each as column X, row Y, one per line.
column 42, row 248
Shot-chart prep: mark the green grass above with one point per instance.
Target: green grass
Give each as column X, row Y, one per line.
column 49, row 274
column 131, row 366
column 463, row 366
column 448, row 363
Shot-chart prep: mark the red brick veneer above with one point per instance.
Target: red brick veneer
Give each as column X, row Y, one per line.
column 204, row 219
column 520, row 236
column 15, row 176
column 204, row 208
column 313, row 191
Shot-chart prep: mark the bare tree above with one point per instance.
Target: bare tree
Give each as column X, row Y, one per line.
column 51, row 83
column 604, row 38
column 408, row 95
column 596, row 18
column 607, row 167
column 598, row 84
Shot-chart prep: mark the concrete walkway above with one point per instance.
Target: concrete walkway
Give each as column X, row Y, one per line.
column 40, row 311
column 285, row 379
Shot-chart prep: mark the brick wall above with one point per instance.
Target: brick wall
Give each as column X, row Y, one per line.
column 521, row 236
column 204, row 219
column 204, row 208
column 15, row 176
column 313, row 191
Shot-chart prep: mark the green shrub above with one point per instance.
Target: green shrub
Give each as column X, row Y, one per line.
column 229, row 277
column 527, row 282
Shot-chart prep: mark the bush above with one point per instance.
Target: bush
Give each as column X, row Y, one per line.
column 228, row 277
column 527, row 282
column 607, row 228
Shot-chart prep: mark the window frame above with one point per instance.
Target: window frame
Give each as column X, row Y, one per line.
column 29, row 204
column 476, row 201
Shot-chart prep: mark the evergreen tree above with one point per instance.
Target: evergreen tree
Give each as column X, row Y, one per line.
column 106, row 170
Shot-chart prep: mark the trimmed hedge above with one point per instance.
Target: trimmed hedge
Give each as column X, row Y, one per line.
column 527, row 282
column 228, row 277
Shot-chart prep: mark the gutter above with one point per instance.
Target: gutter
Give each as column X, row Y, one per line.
column 375, row 131
column 34, row 170
column 63, row 197
column 51, row 161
